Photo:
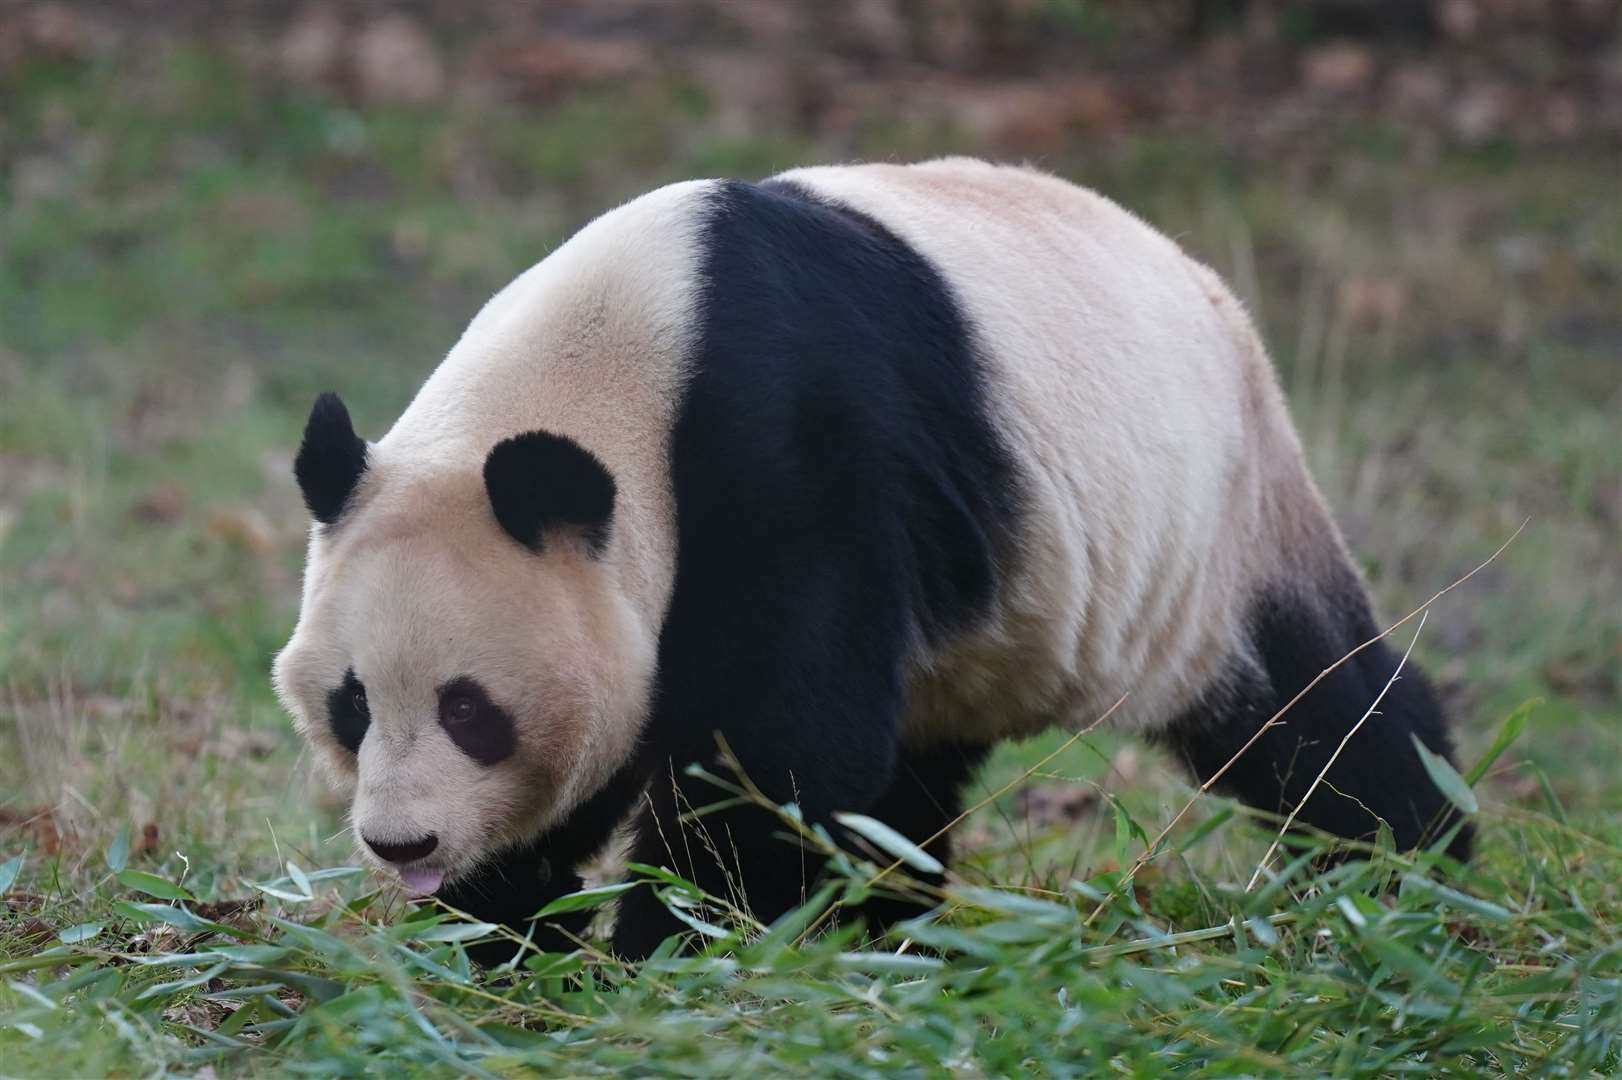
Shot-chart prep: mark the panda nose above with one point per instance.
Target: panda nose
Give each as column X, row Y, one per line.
column 403, row 853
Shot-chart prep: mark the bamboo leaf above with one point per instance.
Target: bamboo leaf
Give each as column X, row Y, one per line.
column 456, row 932
column 153, row 885
column 297, row 874
column 176, row 915
column 75, row 935
column 891, row 842
column 1446, row 778
column 709, row 930
column 1513, row 727
column 118, row 852
column 1439, row 893
column 585, row 899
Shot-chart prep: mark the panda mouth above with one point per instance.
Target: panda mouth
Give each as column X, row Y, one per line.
column 422, row 880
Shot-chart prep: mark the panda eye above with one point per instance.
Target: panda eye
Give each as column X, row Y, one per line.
column 347, row 712
column 479, row 727
column 461, row 709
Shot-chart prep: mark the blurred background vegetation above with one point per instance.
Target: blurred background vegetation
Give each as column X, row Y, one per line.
column 211, row 211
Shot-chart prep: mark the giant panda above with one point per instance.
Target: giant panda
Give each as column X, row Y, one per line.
column 861, row 470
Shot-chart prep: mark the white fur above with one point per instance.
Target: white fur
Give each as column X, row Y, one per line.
column 417, row 584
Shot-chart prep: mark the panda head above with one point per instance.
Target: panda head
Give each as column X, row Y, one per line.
column 465, row 661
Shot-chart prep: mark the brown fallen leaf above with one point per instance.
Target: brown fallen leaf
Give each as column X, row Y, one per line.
column 33, row 932
column 157, row 938
column 39, row 824
column 199, row 1013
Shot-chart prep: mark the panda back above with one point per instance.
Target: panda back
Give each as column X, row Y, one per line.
column 1161, row 482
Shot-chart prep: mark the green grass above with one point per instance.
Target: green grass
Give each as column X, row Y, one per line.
column 187, row 254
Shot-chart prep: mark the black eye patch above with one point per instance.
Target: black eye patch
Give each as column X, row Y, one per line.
column 348, row 712
column 479, row 727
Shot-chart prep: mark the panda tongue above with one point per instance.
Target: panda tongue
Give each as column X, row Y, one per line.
column 422, row 882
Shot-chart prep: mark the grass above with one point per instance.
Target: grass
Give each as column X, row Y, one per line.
column 188, row 253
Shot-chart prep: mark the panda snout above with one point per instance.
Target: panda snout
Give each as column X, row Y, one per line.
column 409, row 851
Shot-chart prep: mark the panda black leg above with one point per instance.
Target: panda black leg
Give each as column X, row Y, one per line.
column 741, row 854
column 508, row 892
column 922, row 801
column 518, row 882
column 745, row 855
column 1377, row 777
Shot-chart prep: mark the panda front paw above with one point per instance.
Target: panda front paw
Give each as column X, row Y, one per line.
column 509, row 894
column 556, row 934
column 641, row 924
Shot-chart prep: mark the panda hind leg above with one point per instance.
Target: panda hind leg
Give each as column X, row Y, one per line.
column 1377, row 776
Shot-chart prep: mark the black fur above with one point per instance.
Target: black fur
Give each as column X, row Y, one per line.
column 925, row 797
column 539, row 481
column 348, row 713
column 1378, row 775
column 331, row 459
column 487, row 735
column 842, row 499
column 926, row 794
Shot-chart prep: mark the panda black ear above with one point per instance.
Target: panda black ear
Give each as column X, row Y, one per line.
column 539, row 481
column 331, row 459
